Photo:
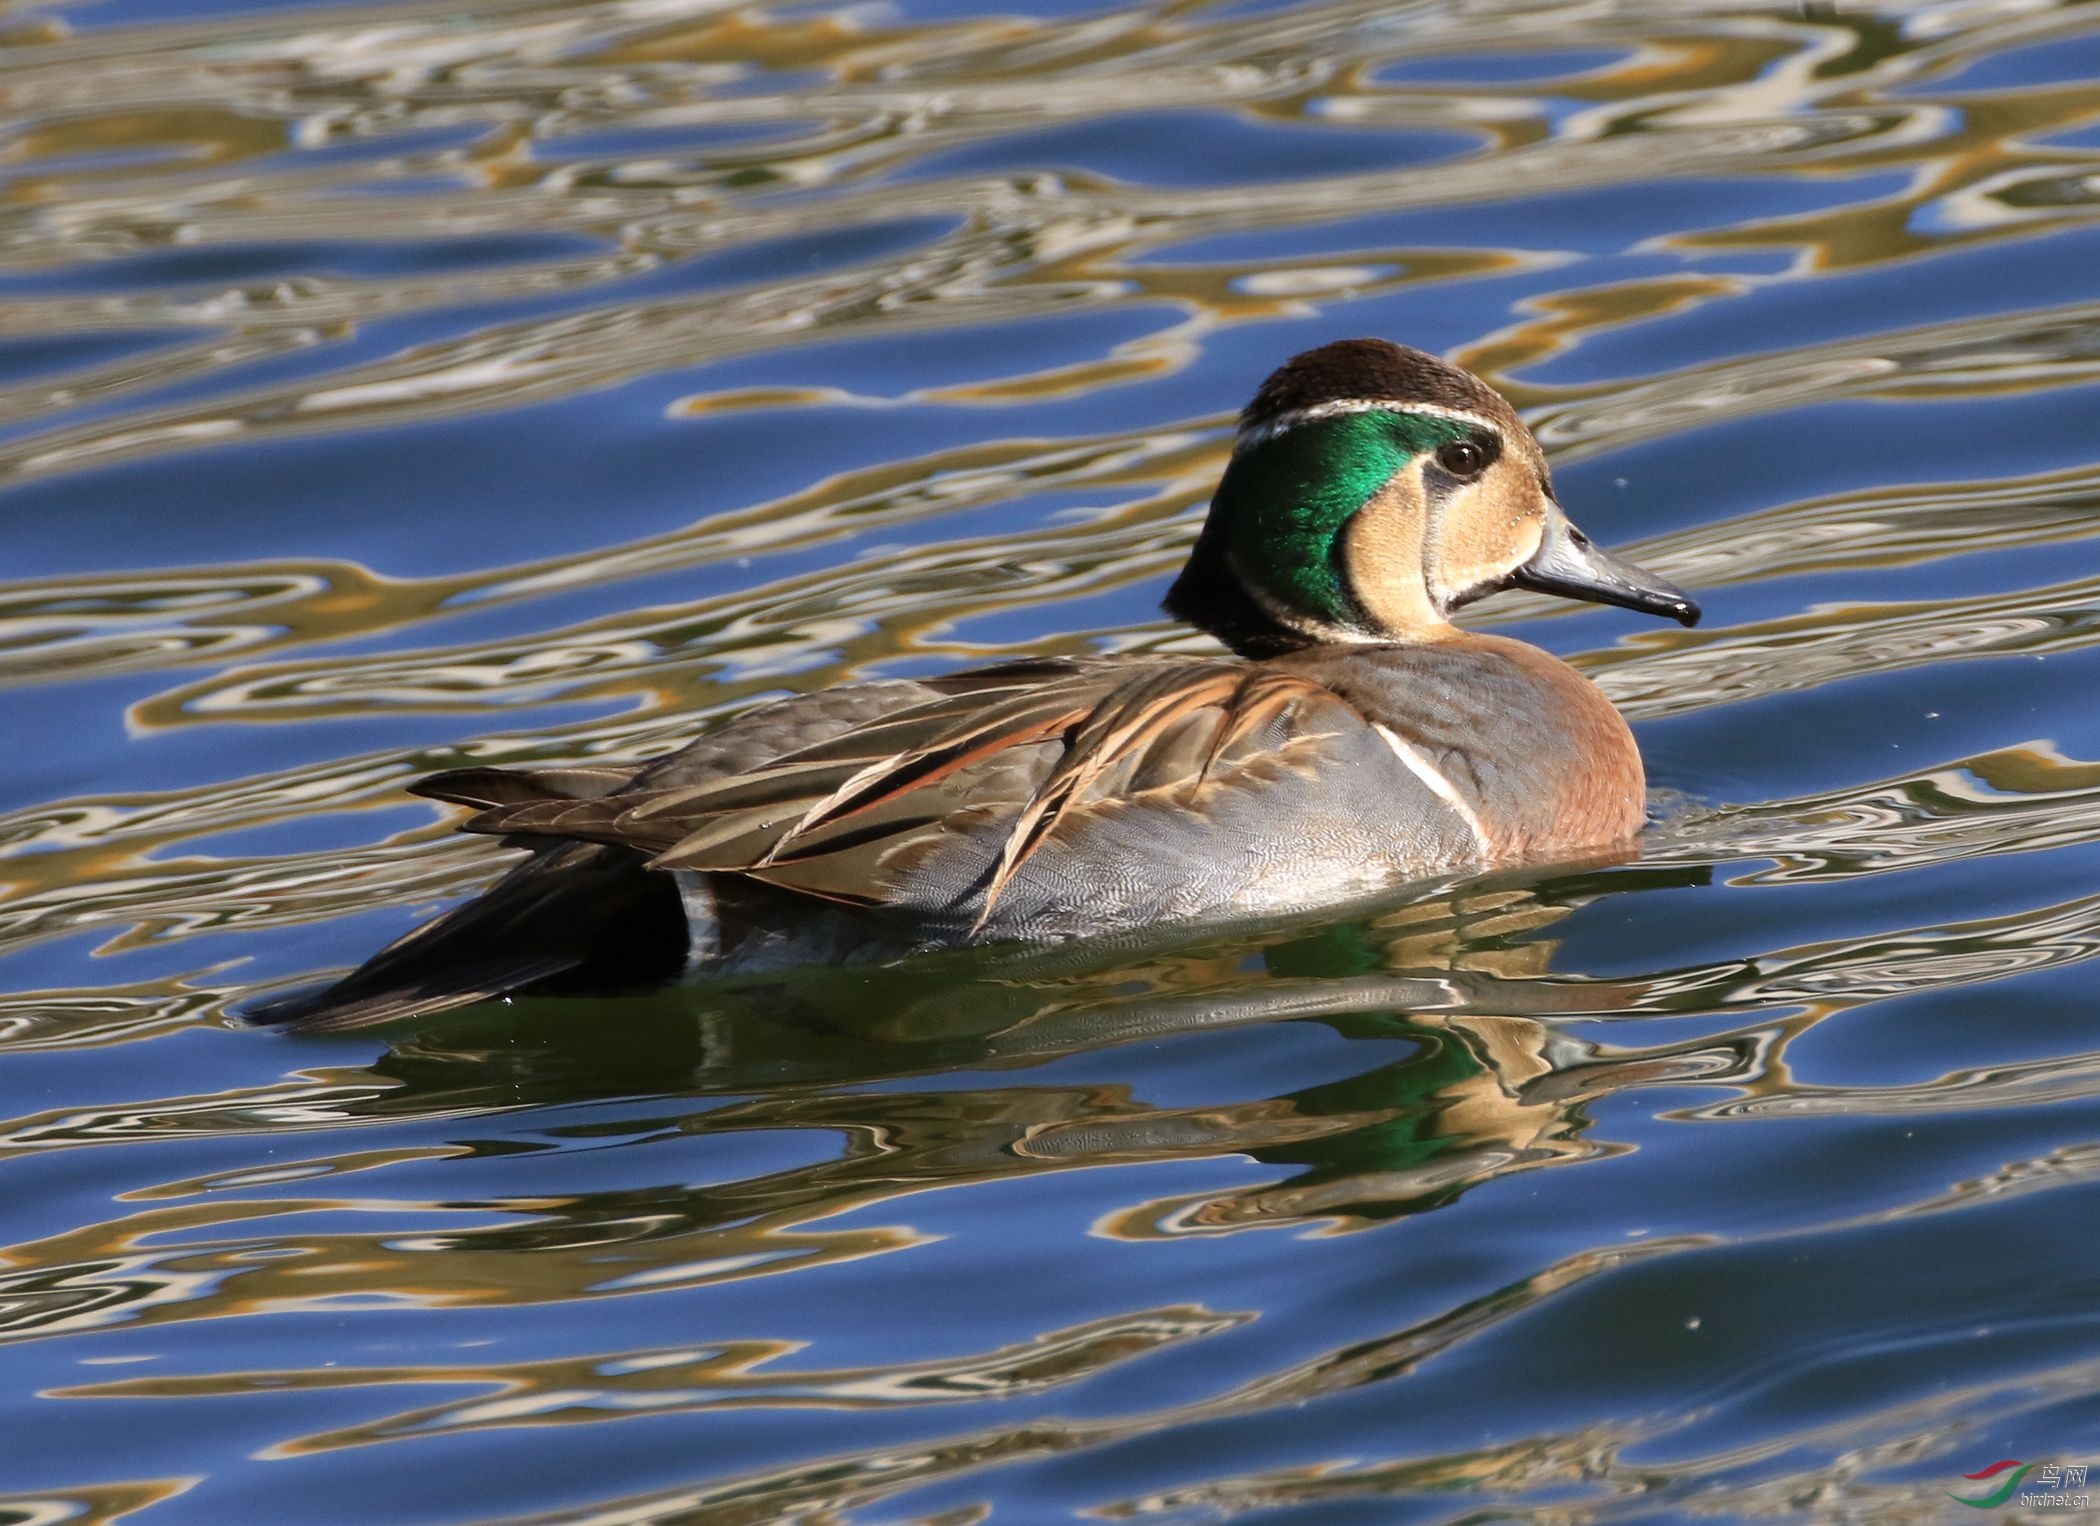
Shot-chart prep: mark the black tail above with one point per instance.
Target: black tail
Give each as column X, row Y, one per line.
column 576, row 915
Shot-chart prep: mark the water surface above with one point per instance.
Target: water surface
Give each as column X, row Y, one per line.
column 392, row 387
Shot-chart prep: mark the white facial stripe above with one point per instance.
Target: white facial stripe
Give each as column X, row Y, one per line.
column 1439, row 783
column 1336, row 407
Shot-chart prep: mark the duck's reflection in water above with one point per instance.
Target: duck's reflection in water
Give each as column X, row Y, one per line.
column 1475, row 1061
column 1477, row 1072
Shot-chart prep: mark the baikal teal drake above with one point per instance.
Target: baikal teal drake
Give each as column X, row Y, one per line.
column 1356, row 739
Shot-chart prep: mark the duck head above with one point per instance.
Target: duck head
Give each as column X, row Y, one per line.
column 1373, row 490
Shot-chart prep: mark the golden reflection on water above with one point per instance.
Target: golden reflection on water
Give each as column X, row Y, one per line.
column 620, row 141
column 1491, row 1084
column 736, row 1375
column 94, row 1502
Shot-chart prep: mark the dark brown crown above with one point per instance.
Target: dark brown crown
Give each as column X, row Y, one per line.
column 1370, row 368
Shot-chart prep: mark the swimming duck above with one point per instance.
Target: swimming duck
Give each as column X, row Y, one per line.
column 1356, row 739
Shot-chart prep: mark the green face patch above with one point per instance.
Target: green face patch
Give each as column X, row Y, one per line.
column 1285, row 501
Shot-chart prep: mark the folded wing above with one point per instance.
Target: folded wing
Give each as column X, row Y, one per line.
column 1000, row 758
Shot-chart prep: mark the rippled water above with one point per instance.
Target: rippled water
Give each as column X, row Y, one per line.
column 390, row 387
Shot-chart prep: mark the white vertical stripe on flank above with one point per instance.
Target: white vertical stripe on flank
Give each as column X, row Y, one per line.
column 703, row 920
column 1434, row 777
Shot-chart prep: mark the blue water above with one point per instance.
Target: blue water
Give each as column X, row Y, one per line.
column 388, row 388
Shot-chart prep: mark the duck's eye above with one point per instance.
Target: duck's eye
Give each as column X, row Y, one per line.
column 1462, row 458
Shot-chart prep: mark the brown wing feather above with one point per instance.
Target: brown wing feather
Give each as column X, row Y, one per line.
column 1018, row 748
column 501, row 786
column 923, row 765
column 1124, row 727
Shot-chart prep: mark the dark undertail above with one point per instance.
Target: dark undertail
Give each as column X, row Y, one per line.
column 576, row 916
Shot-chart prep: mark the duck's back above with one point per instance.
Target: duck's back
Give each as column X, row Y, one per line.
column 1052, row 798
column 1030, row 801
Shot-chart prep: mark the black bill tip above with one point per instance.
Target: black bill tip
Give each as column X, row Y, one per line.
column 1569, row 564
